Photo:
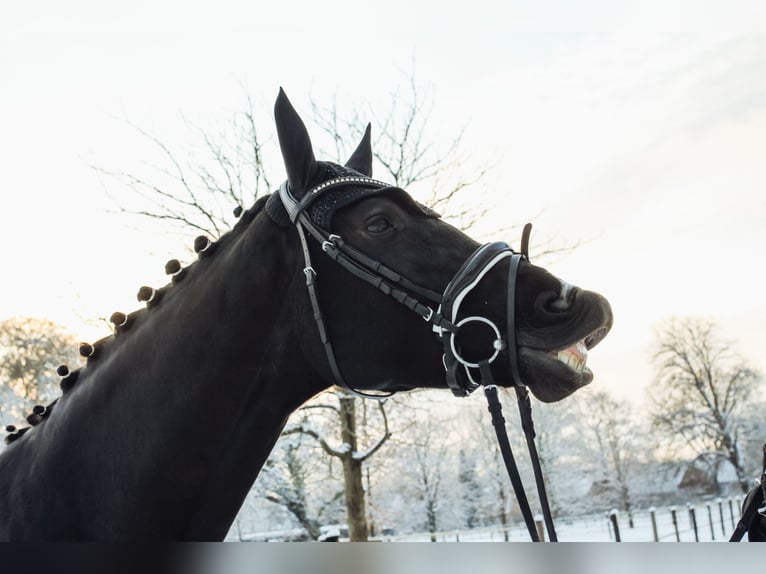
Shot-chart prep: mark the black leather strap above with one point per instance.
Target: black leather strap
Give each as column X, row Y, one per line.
column 324, row 335
column 513, row 358
column 376, row 267
column 468, row 272
column 496, row 410
column 345, row 256
column 525, row 412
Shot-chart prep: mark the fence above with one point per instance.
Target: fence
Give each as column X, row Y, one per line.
column 706, row 521
column 702, row 521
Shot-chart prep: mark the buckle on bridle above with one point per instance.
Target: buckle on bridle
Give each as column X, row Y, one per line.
column 332, row 241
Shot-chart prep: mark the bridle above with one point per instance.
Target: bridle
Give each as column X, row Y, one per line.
column 441, row 310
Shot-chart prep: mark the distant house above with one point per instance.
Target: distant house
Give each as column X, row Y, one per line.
column 650, row 484
column 673, row 482
column 709, row 474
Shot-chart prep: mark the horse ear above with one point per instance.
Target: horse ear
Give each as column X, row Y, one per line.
column 361, row 159
column 295, row 144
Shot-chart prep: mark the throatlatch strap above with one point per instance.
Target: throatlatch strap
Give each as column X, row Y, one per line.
column 324, row 335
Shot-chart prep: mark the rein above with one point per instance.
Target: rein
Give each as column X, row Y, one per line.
column 444, row 321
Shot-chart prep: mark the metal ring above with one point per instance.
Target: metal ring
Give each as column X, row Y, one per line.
column 498, row 344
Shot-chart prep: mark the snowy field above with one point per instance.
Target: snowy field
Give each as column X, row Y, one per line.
column 714, row 520
column 595, row 554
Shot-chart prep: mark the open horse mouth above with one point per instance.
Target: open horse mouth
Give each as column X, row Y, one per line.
column 576, row 356
column 554, row 373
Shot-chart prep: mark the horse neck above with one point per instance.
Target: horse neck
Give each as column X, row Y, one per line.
column 168, row 428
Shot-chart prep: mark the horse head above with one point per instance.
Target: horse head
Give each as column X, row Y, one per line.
column 397, row 256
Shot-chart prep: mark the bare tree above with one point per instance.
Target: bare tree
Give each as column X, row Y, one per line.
column 198, row 194
column 350, row 452
column 470, row 487
column 405, row 145
column 429, row 459
column 615, row 436
column 421, row 461
column 444, row 177
column 292, row 478
column 701, row 391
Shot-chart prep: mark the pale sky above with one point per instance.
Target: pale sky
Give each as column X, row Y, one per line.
column 640, row 127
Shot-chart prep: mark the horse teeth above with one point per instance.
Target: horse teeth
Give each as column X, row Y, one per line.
column 574, row 356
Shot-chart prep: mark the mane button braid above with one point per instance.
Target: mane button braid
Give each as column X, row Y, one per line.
column 203, row 246
column 68, row 378
column 40, row 413
column 15, row 434
column 147, row 295
column 87, row 350
column 174, row 269
column 34, row 419
column 120, row 321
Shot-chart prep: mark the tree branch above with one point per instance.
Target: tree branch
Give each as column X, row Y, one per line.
column 315, row 435
column 383, row 439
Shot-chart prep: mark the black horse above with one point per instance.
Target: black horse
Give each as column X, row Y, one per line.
column 161, row 435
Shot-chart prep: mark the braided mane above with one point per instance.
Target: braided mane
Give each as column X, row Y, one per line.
column 122, row 323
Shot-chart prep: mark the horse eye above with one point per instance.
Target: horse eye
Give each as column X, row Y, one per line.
column 378, row 224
